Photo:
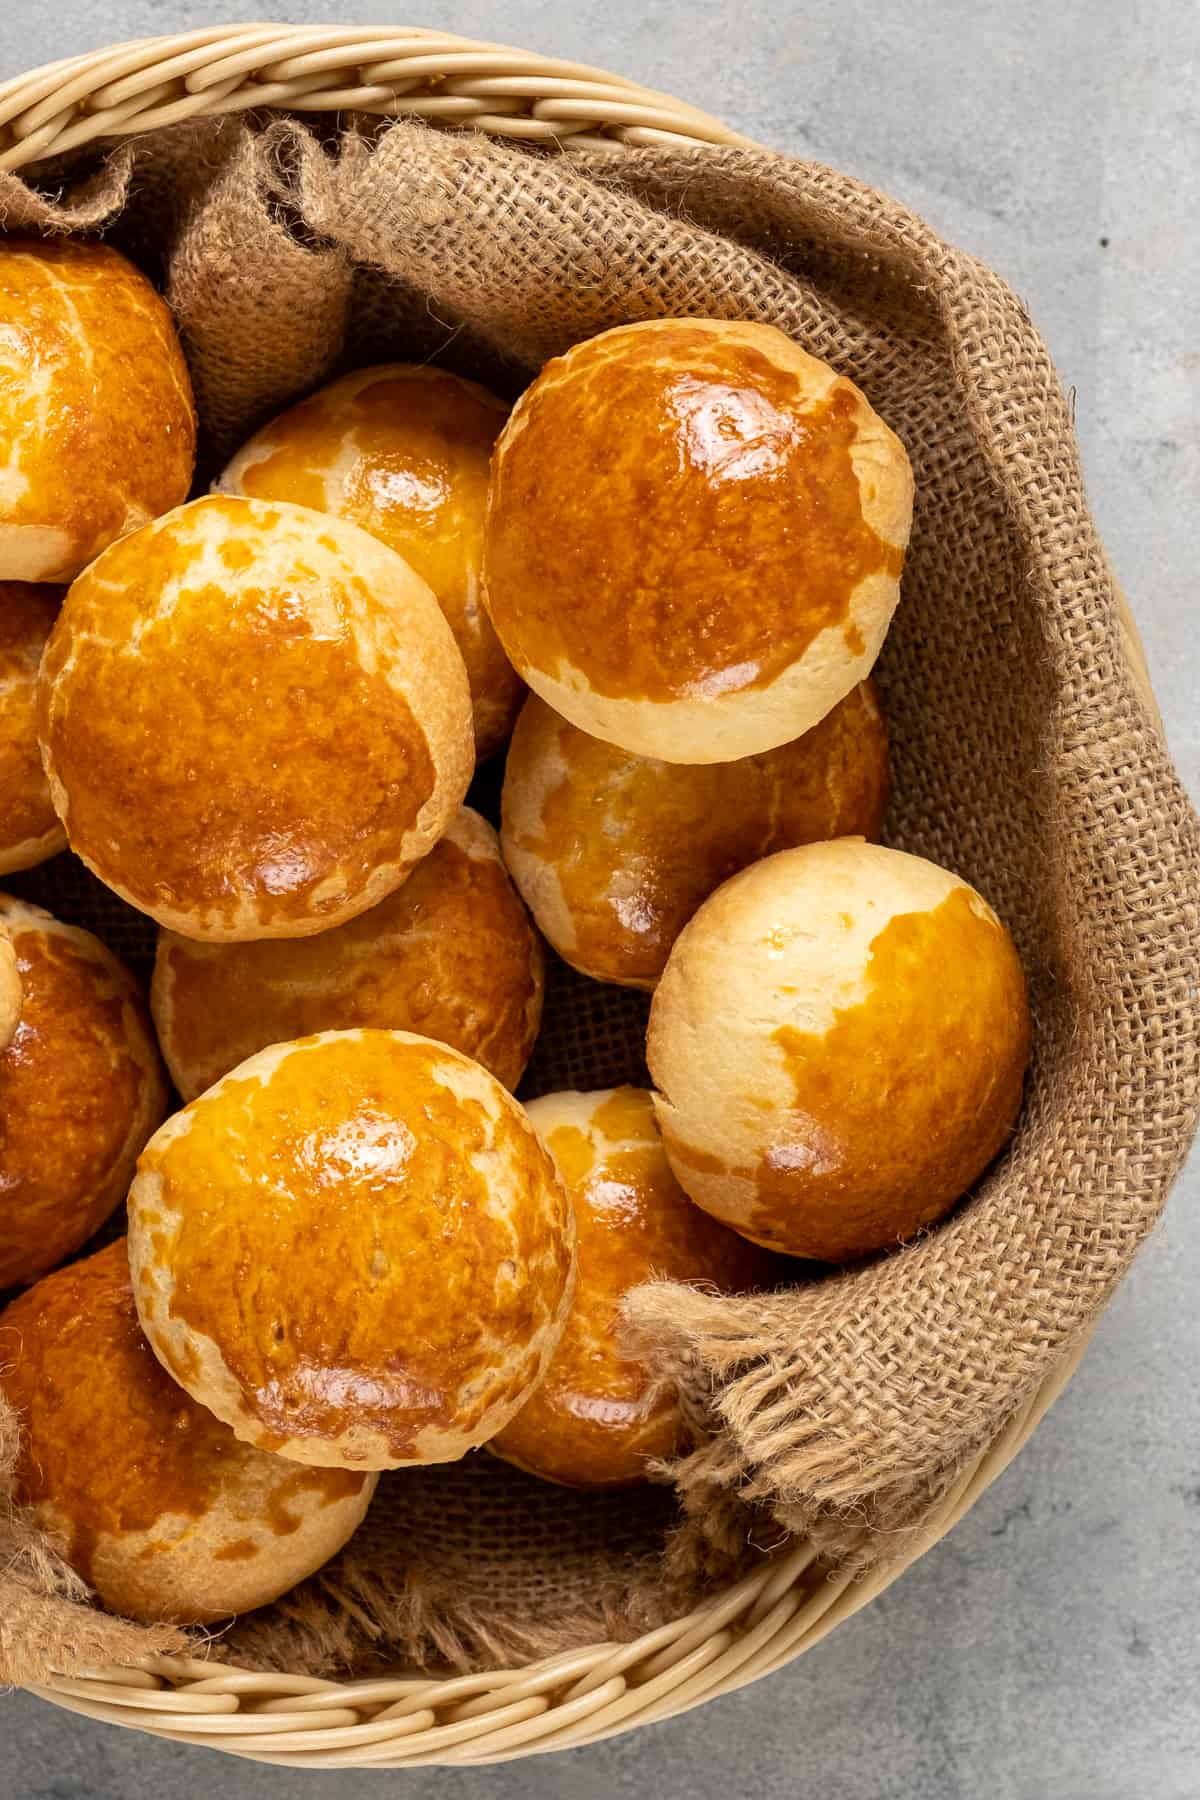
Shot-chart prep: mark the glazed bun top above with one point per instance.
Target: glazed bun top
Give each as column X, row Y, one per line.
column 403, row 450
column 152, row 1500
column 614, row 852
column 97, row 425
column 452, row 955
column 29, row 827
column 254, row 720
column 694, row 539
column 81, row 1089
column 599, row 1415
column 354, row 1250
column 874, row 1032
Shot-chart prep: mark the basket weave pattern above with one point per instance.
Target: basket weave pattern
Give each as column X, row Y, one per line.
column 405, row 73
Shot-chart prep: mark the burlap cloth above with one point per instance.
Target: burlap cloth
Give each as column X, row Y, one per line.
column 1024, row 759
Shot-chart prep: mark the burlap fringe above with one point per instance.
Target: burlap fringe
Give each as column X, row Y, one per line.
column 343, row 1622
column 386, row 1600
column 46, row 1622
column 753, row 1475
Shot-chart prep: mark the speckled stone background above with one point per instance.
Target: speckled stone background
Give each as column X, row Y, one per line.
column 1050, row 1649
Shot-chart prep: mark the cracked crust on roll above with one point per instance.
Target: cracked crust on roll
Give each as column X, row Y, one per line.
column 354, row 1250
column 694, row 538
column 81, row 1090
column 254, row 720
column 874, row 1033
column 174, row 1520
column 29, row 826
column 451, row 955
column 402, row 449
column 97, row 421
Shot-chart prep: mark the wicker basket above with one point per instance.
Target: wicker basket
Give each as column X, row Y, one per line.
column 790, row 1601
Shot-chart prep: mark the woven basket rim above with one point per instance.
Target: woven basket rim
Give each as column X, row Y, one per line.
column 405, row 71
column 783, row 1608
column 791, row 1600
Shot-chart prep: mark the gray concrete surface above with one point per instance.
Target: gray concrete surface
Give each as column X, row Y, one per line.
column 1050, row 1650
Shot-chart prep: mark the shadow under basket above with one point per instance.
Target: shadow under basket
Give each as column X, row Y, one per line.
column 316, row 199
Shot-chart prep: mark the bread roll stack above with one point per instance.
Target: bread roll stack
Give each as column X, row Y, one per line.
column 695, row 534
column 255, row 716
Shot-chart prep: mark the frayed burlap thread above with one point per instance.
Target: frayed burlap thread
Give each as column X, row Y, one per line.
column 1025, row 757
column 476, row 1566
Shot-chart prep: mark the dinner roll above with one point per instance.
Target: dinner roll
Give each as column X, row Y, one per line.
column 838, row 1042
column 97, row 425
column 451, row 955
column 402, row 450
column 152, row 1500
column 29, row 827
column 598, row 1416
column 81, row 1089
column 614, row 852
column 694, row 538
column 10, row 989
column 254, row 720
column 354, row 1250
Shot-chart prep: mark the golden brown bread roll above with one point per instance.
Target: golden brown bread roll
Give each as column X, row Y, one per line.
column 451, row 955
column 81, row 1089
column 10, row 989
column 613, row 852
column 152, row 1500
column 838, row 1043
column 97, row 425
column 254, row 720
column 354, row 1250
column 598, row 1416
column 694, row 538
column 29, row 826
column 403, row 450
